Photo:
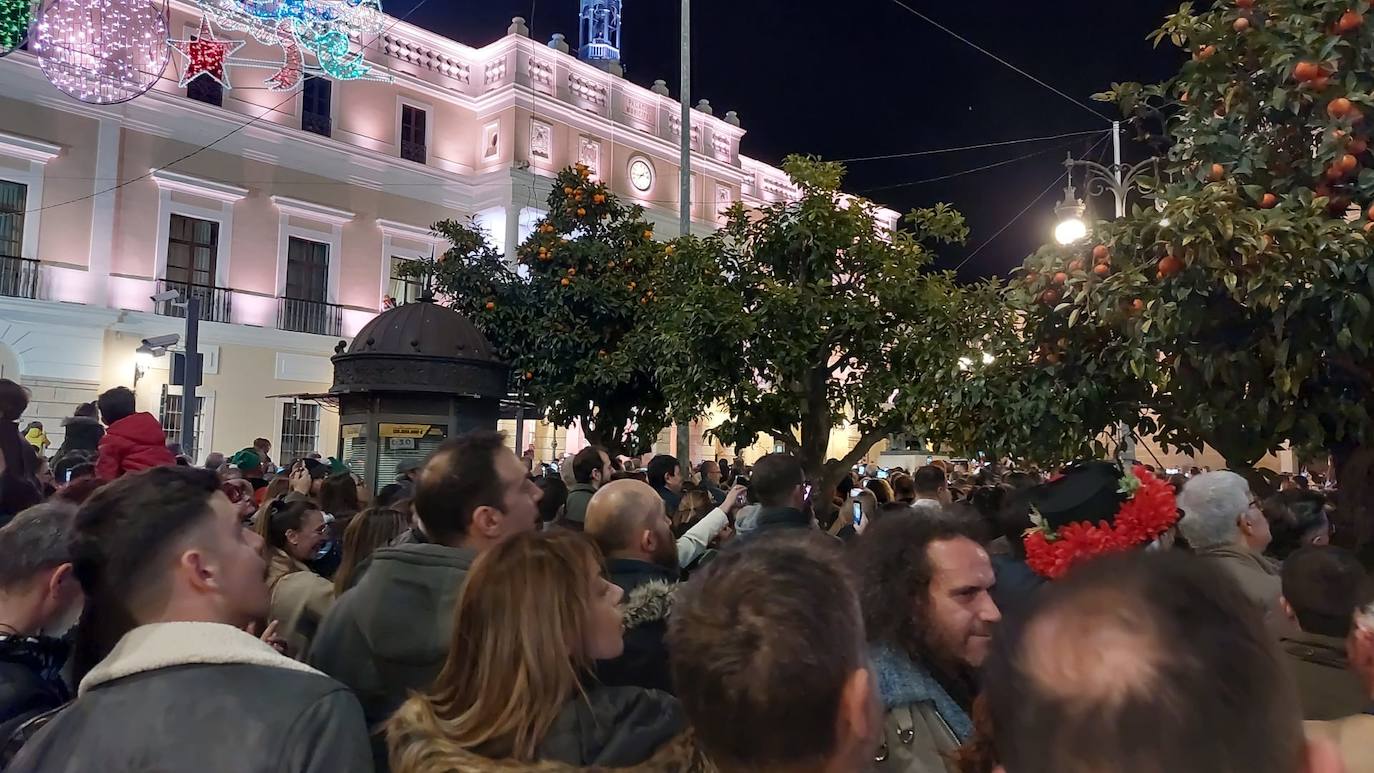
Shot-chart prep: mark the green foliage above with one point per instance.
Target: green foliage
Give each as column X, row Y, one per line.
column 574, row 329
column 805, row 314
column 1240, row 314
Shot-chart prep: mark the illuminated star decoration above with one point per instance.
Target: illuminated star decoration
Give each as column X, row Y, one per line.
column 205, row 55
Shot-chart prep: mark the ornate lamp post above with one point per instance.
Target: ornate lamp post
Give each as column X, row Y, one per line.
column 1118, row 179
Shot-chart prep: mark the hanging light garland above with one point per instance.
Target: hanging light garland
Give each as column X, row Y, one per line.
column 102, row 51
column 321, row 28
column 15, row 16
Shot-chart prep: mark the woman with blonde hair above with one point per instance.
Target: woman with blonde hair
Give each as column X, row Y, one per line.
column 694, row 506
column 534, row 614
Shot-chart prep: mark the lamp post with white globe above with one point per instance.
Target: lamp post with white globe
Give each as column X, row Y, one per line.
column 1118, row 178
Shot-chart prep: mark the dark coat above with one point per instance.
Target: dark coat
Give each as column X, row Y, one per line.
column 19, row 489
column 612, row 728
column 649, row 592
column 201, row 697
column 1016, row 582
column 83, row 433
column 390, row 634
column 30, row 679
column 1327, row 688
column 135, row 442
column 772, row 519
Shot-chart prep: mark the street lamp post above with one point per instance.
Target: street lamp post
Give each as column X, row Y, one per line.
column 684, row 429
column 1118, row 179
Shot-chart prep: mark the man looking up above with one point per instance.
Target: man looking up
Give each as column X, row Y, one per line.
column 172, row 579
column 389, row 635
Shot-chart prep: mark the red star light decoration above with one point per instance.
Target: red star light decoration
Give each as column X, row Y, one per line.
column 205, row 55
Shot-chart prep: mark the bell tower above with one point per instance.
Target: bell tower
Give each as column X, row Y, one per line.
column 599, row 26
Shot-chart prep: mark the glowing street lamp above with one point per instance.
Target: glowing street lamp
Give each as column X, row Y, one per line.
column 1069, row 214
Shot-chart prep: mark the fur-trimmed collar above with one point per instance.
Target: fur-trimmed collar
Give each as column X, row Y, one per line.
column 163, row 645
column 649, row 603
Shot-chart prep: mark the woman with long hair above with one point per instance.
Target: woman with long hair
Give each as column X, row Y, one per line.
column 693, row 506
column 373, row 528
column 339, row 497
column 19, row 487
column 534, row 614
column 291, row 534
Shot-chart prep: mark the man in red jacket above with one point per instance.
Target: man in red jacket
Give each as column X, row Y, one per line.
column 134, row 441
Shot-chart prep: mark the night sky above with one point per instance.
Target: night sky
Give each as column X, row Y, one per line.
column 867, row 77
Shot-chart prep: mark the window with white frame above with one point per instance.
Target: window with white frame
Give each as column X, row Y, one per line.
column 300, row 430
column 402, row 288
column 169, row 413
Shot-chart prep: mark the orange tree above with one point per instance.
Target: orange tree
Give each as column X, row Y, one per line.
column 571, row 320
column 804, row 315
column 1243, row 306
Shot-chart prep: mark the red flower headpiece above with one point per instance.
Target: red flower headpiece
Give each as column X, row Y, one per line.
column 1149, row 512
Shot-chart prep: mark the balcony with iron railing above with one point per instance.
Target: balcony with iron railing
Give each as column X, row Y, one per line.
column 215, row 302
column 19, row 277
column 316, row 123
column 413, row 151
column 304, row 316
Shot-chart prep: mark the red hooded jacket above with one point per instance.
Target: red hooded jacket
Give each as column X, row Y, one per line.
column 135, row 442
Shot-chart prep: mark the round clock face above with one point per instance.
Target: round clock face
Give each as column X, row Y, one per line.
column 641, row 174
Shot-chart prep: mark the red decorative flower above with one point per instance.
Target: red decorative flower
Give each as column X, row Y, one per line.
column 1141, row 519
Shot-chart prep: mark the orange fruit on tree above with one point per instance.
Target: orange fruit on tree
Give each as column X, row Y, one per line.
column 1216, row 173
column 529, row 374
column 1320, row 82
column 1052, row 358
column 1348, row 163
column 1240, row 25
column 1357, row 146
column 1170, row 265
column 1100, row 252
column 668, row 250
column 1076, row 265
column 1269, row 201
column 648, row 234
column 1369, row 228
column 1339, row 107
column 1137, row 305
column 1370, row 213
column 1334, row 173
column 1245, row 3
column 1060, row 278
column 1349, row 22
column 491, row 305
column 1206, row 52
column 1306, row 71
column 565, row 281
column 1050, row 296
column 599, row 199
column 1102, row 269
column 581, row 212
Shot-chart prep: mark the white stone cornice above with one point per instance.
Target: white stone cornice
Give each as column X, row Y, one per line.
column 408, row 232
column 27, row 148
column 311, row 210
column 197, row 186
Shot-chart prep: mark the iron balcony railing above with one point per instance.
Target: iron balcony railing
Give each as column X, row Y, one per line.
column 215, row 302
column 19, row 277
column 304, row 316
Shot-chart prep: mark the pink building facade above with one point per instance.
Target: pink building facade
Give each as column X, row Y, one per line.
column 290, row 225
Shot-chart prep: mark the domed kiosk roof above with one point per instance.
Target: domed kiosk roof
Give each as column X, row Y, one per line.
column 422, row 328
column 420, row 347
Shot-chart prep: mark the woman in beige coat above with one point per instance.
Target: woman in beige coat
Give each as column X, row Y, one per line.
column 292, row 532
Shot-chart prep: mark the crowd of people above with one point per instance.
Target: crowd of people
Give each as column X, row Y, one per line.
column 484, row 614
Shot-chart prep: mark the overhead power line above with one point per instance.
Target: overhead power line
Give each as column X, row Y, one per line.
column 1000, row 60
column 979, row 146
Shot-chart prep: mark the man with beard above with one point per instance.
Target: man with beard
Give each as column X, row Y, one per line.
column 924, row 588
column 628, row 522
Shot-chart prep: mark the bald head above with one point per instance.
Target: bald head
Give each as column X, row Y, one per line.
column 620, row 512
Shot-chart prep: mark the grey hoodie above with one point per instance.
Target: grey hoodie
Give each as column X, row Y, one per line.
column 389, row 635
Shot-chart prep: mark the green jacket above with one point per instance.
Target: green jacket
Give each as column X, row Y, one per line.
column 390, row 634
column 1257, row 575
column 1327, row 688
column 575, row 509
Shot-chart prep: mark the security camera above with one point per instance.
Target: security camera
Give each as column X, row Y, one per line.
column 165, row 296
column 161, row 342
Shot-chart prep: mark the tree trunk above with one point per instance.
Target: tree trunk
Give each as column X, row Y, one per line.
column 1354, row 516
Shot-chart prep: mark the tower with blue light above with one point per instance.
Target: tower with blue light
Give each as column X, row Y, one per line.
column 600, row 39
